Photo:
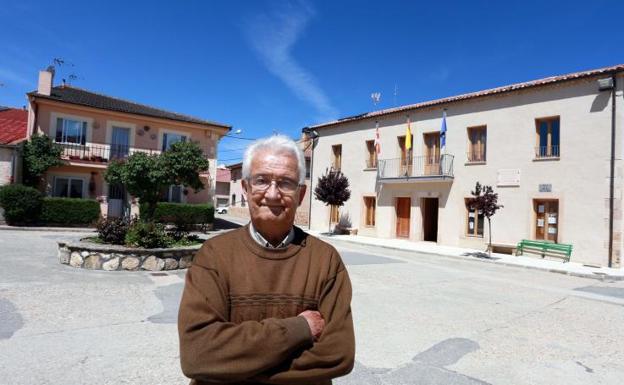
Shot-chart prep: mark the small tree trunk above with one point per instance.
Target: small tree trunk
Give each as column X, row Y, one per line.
column 329, row 224
column 151, row 210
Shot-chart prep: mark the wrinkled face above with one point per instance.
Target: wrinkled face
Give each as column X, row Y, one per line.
column 273, row 211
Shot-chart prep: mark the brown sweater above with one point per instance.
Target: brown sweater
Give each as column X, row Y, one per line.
column 238, row 320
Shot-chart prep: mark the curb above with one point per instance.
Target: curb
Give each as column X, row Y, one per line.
column 50, row 229
column 596, row 276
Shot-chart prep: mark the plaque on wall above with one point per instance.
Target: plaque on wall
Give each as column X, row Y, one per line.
column 508, row 177
column 547, row 187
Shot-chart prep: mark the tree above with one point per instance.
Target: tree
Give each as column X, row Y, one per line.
column 485, row 201
column 148, row 176
column 39, row 153
column 332, row 189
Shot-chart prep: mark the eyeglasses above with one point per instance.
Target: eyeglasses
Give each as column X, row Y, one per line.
column 261, row 183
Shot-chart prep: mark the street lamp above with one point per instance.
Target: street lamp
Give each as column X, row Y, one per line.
column 312, row 135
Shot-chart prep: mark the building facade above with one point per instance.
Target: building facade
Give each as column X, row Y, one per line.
column 544, row 146
column 222, row 187
column 94, row 129
column 13, row 123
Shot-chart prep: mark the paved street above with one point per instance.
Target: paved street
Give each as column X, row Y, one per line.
column 420, row 319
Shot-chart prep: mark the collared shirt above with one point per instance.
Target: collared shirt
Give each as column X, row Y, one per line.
column 263, row 242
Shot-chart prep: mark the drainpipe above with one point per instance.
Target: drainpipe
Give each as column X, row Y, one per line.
column 313, row 135
column 612, row 171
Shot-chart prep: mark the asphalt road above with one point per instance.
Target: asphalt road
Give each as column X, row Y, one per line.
column 420, row 319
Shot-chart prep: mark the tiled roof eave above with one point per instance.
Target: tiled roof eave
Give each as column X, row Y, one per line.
column 199, row 122
column 478, row 94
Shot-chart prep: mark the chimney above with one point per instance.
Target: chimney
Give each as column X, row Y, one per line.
column 46, row 77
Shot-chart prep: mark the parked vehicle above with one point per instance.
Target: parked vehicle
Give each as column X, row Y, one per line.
column 222, row 210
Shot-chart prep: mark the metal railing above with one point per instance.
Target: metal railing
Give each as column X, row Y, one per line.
column 100, row 153
column 547, row 152
column 419, row 167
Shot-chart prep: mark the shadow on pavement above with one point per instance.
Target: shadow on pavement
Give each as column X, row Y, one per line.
column 222, row 224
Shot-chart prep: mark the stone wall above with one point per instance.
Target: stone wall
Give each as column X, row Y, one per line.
column 113, row 257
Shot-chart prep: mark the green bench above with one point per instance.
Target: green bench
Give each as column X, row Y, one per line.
column 560, row 250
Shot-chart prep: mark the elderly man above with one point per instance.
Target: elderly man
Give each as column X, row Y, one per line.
column 267, row 303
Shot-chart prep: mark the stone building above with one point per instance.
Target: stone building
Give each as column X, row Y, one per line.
column 551, row 148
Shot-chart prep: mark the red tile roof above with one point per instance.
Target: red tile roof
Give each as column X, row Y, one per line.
column 13, row 122
column 493, row 91
column 223, row 175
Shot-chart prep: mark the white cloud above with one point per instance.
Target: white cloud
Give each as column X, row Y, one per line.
column 273, row 36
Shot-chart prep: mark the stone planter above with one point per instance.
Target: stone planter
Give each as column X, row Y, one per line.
column 96, row 256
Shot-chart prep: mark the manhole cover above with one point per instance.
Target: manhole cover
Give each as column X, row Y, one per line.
column 159, row 274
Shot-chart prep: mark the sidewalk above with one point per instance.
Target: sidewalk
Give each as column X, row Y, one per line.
column 528, row 262
column 52, row 229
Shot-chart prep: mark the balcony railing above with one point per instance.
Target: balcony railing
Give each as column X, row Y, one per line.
column 475, row 157
column 422, row 167
column 100, row 153
column 547, row 152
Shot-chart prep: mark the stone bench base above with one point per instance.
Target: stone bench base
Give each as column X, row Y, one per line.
column 113, row 257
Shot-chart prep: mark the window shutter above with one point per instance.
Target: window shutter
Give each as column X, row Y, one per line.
column 59, row 130
column 164, row 143
column 83, row 137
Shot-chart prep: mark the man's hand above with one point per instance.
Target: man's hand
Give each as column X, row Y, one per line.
column 315, row 321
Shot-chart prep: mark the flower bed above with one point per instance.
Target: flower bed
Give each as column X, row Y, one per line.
column 95, row 256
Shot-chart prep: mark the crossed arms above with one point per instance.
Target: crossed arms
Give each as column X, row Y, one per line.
column 276, row 351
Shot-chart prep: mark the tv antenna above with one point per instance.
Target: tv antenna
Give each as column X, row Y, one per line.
column 396, row 92
column 376, row 97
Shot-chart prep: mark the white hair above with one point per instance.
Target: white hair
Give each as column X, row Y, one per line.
column 275, row 144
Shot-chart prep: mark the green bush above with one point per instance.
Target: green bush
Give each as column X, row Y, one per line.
column 182, row 213
column 21, row 204
column 148, row 235
column 69, row 211
column 113, row 230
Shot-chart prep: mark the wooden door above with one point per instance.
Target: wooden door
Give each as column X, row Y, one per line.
column 432, row 153
column 406, row 157
column 430, row 219
column 403, row 207
column 546, row 219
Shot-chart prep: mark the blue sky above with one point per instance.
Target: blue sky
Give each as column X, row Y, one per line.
column 278, row 66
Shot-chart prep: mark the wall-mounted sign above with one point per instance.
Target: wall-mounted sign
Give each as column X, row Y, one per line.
column 508, row 177
column 545, row 187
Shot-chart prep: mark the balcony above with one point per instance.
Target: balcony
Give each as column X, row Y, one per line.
column 547, row 152
column 99, row 153
column 421, row 168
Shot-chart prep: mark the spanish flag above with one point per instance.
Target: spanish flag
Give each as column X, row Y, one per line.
column 408, row 136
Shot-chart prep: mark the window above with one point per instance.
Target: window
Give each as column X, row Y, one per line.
column 242, row 200
column 235, row 174
column 371, row 154
column 337, row 152
column 233, row 199
column 173, row 194
column 307, row 162
column 369, row 215
column 474, row 222
column 71, row 131
column 546, row 219
column 68, row 187
column 477, row 137
column 169, row 139
column 334, row 214
column 547, row 138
